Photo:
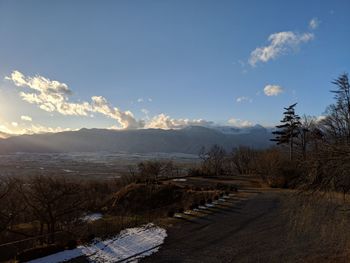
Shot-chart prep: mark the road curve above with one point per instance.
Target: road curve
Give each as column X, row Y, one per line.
column 250, row 227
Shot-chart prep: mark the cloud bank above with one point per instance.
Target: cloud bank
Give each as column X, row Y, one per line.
column 54, row 96
column 163, row 121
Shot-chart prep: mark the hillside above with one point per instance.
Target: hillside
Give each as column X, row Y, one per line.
column 187, row 140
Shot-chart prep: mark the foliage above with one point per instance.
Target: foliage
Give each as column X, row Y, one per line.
column 289, row 129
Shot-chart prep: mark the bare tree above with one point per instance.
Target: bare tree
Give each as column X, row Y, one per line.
column 152, row 170
column 213, row 161
column 53, row 201
column 11, row 205
column 336, row 125
column 242, row 159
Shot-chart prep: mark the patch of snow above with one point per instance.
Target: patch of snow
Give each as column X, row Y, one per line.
column 202, row 207
column 178, row 215
column 92, row 217
column 180, row 180
column 189, row 212
column 222, row 199
column 209, row 205
column 129, row 242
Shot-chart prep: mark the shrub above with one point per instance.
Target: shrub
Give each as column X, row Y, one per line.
column 39, row 252
column 143, row 198
column 171, row 213
column 71, row 244
column 193, row 206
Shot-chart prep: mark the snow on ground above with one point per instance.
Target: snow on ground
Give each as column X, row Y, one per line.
column 92, row 217
column 178, row 215
column 180, row 180
column 128, row 243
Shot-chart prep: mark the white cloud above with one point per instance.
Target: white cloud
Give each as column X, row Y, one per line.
column 314, row 23
column 240, row 123
column 125, row 118
column 139, row 100
column 53, row 96
column 273, row 90
column 280, row 43
column 5, row 129
column 146, row 113
column 163, row 121
column 26, row 118
column 37, row 128
column 17, row 129
column 244, row 99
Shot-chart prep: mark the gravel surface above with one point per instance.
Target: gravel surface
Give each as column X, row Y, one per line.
column 250, row 227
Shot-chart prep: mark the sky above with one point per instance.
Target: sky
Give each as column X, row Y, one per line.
column 65, row 65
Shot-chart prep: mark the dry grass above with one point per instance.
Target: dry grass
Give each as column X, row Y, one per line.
column 322, row 222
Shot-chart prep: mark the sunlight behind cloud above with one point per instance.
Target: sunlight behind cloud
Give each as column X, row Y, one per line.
column 53, row 96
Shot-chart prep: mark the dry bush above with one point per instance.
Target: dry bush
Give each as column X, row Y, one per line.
column 242, row 160
column 146, row 198
column 97, row 193
column 151, row 171
column 319, row 219
column 277, row 170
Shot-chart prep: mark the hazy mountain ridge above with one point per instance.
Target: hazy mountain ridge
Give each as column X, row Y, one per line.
column 187, row 140
column 4, row 135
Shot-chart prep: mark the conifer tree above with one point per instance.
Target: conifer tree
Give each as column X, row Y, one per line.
column 289, row 129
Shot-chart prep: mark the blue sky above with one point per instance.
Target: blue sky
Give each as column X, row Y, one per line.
column 167, row 64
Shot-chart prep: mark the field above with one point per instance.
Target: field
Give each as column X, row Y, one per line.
column 102, row 165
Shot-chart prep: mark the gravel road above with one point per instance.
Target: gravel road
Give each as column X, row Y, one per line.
column 251, row 226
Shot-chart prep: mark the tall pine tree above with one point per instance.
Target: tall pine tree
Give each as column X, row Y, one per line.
column 289, row 129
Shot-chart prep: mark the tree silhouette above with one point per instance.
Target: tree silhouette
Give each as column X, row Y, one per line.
column 289, row 129
column 337, row 122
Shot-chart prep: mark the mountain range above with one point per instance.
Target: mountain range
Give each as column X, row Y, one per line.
column 186, row 140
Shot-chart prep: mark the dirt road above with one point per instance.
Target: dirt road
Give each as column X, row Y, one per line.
column 251, row 226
